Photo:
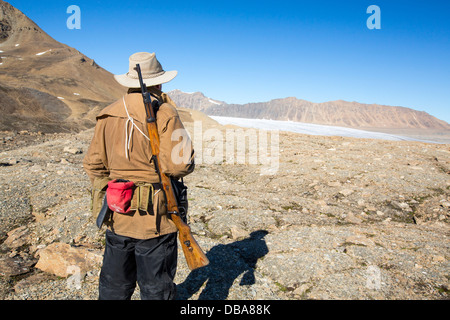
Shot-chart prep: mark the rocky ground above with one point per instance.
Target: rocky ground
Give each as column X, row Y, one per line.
column 343, row 218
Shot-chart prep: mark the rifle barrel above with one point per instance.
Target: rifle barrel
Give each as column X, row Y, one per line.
column 194, row 255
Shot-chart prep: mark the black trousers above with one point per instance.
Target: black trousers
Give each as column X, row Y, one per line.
column 151, row 263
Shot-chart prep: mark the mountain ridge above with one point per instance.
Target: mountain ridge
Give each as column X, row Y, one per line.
column 337, row 113
column 48, row 86
column 39, row 71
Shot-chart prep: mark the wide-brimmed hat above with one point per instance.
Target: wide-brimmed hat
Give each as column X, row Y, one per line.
column 152, row 71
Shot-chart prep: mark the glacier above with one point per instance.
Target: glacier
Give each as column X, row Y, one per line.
column 310, row 128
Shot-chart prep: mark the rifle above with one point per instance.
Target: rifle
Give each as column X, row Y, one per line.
column 194, row 255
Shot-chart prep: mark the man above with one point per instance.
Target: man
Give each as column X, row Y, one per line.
column 141, row 244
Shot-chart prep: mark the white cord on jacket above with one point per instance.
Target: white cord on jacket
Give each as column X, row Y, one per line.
column 128, row 137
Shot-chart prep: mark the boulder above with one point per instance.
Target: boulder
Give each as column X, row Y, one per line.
column 61, row 259
column 17, row 237
column 14, row 266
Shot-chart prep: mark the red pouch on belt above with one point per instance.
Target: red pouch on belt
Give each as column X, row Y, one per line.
column 119, row 195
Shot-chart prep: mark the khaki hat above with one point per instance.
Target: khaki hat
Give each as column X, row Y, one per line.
column 152, row 71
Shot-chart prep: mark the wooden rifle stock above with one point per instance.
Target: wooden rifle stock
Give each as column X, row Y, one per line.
column 194, row 255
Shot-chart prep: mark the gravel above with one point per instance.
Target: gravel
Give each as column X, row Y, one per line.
column 344, row 218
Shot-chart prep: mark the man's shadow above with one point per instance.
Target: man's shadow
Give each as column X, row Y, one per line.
column 226, row 263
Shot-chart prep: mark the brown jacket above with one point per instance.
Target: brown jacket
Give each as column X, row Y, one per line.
column 119, row 150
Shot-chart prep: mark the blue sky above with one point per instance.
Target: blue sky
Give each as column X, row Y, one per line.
column 253, row 51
